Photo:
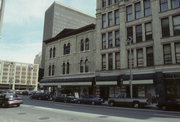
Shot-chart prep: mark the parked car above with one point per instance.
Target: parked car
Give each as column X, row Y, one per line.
column 89, row 100
column 169, row 104
column 10, row 99
column 65, row 98
column 41, row 96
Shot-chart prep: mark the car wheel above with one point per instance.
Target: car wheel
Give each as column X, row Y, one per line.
column 79, row 102
column 18, row 105
column 3, row 105
column 111, row 103
column 93, row 103
column 136, row 105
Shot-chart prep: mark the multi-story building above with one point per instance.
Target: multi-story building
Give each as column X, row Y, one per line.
column 18, row 76
column 58, row 17
column 2, row 5
column 137, row 50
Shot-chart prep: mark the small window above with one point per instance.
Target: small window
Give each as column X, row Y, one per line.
column 87, row 44
column 130, row 33
column 81, row 66
column 140, row 62
column 110, row 61
column 149, row 56
column 117, row 38
column 175, row 3
column 103, row 41
column 148, row 31
column 53, row 69
column 54, row 52
column 165, row 27
column 50, row 53
column 117, row 60
column 103, row 3
column 82, row 45
column 64, row 66
column 103, row 61
column 68, row 65
column 176, row 25
column 49, row 70
column 116, row 17
column 138, row 33
column 147, row 7
column 167, row 54
column 163, row 5
column 129, row 13
column 138, row 10
column 103, row 20
column 110, row 21
column 86, row 66
column 110, row 43
column 177, row 52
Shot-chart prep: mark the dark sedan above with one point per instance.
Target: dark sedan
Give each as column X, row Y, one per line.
column 65, row 98
column 169, row 104
column 41, row 96
column 89, row 100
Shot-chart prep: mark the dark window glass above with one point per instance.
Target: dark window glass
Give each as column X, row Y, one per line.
column 150, row 56
column 129, row 13
column 110, row 21
column 165, row 27
column 49, row 70
column 81, row 66
column 163, row 5
column 68, row 65
column 175, row 3
column 138, row 10
column 64, row 66
column 68, row 48
column 104, row 62
column 82, row 45
column 116, row 16
column 110, row 44
column 167, row 54
column 103, row 3
column 109, row 2
column 148, row 31
column 64, row 49
column 117, row 60
column 130, row 59
column 115, row 1
column 138, row 33
column 177, row 52
column 147, row 7
column 87, row 44
column 86, row 66
column 176, row 25
column 110, row 61
column 130, row 33
column 103, row 20
column 117, row 38
column 103, row 41
column 54, row 52
column 50, row 53
column 140, row 62
column 53, row 69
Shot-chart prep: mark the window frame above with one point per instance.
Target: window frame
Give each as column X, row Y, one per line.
column 167, row 56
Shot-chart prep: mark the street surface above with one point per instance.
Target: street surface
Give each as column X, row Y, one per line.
column 49, row 111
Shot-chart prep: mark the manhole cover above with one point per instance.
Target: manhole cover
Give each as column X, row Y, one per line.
column 21, row 113
column 44, row 118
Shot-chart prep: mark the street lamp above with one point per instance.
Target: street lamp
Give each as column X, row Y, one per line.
column 130, row 39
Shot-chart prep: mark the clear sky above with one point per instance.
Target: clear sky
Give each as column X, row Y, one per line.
column 23, row 24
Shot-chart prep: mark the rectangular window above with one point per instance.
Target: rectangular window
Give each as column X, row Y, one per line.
column 104, row 62
column 117, row 38
column 110, row 44
column 103, row 20
column 110, row 61
column 149, row 56
column 176, row 25
column 177, row 52
column 163, row 5
column 110, row 21
column 116, row 17
column 130, row 59
column 140, row 58
column 117, row 60
column 147, row 7
column 109, row 2
column 115, row 1
column 175, row 3
column 103, row 3
column 148, row 31
column 138, row 10
column 138, row 33
column 103, row 41
column 165, row 27
column 129, row 32
column 167, row 54
column 129, row 13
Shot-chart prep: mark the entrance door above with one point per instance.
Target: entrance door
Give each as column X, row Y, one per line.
column 104, row 92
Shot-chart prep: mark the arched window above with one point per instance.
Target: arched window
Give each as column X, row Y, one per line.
column 50, row 53
column 64, row 65
column 68, row 48
column 86, row 66
column 54, row 52
column 67, row 70
column 82, row 45
column 49, row 70
column 64, row 49
column 81, row 66
column 53, row 69
column 87, row 44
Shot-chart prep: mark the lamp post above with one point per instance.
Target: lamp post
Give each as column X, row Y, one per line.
column 130, row 39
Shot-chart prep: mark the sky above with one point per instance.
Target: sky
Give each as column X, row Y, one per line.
column 22, row 31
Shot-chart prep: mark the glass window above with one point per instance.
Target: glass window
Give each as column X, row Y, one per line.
column 67, row 71
column 87, row 44
column 50, row 53
column 175, row 3
column 103, row 41
column 86, row 66
column 110, row 61
column 110, row 44
column 163, row 5
column 53, row 69
column 109, row 2
column 116, row 15
column 138, row 10
column 115, row 1
column 82, row 45
column 129, row 13
column 117, row 60
column 147, row 7
column 176, row 25
column 130, row 59
column 177, row 52
column 138, row 33
column 165, row 27
column 104, row 62
column 167, row 54
column 64, row 49
column 140, row 58
column 54, row 52
column 49, row 70
column 149, row 56
column 103, row 20
column 117, row 38
column 103, row 3
column 64, row 65
column 130, row 33
column 81, row 66
column 148, row 31
column 110, row 21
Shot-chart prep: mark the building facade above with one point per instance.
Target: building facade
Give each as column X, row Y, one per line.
column 137, row 45
column 18, row 76
column 58, row 17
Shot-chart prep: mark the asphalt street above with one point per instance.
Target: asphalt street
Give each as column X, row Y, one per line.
column 49, row 111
